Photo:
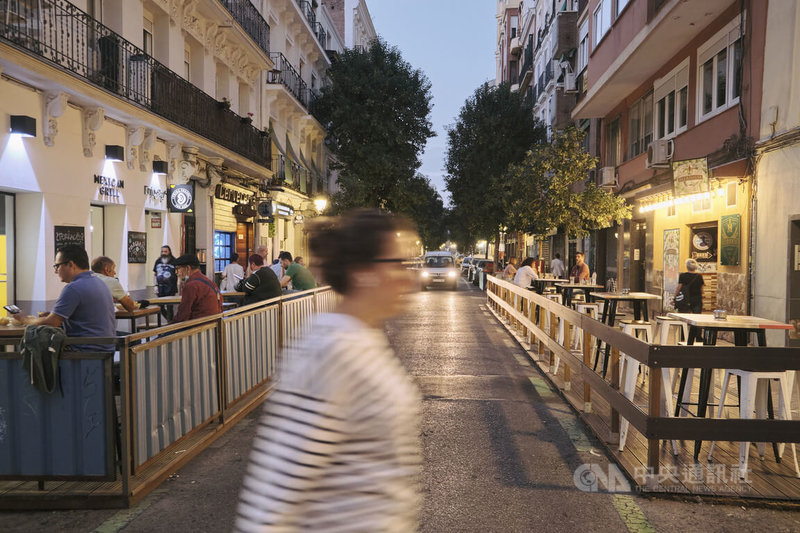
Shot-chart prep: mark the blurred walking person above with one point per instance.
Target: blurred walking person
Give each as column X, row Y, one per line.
column 338, row 446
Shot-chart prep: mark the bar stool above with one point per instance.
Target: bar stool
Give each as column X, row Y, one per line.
column 588, row 309
column 753, row 401
column 663, row 326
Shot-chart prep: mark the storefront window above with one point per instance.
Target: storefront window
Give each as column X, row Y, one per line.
column 223, row 249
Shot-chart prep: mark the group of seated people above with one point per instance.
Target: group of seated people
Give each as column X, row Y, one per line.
column 86, row 306
column 526, row 274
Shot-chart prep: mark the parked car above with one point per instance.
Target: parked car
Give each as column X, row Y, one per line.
column 481, row 265
column 465, row 265
column 439, row 270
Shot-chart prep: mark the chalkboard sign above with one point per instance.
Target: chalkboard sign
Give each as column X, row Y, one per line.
column 69, row 235
column 137, row 247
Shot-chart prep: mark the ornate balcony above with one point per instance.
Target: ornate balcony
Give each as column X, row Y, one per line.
column 62, row 35
column 286, row 75
column 248, row 17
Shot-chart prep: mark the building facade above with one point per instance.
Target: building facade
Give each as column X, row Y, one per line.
column 676, row 86
column 130, row 124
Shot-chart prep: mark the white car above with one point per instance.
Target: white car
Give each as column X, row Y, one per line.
column 439, row 270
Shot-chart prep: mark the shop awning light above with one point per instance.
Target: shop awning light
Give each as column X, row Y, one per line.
column 160, row 167
column 115, row 152
column 23, row 125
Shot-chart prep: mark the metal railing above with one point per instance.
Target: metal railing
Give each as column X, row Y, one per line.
column 175, row 382
column 286, row 75
column 308, row 11
column 287, row 173
column 65, row 36
column 528, row 312
column 322, row 35
column 248, row 17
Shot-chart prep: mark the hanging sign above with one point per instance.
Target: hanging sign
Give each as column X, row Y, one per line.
column 180, row 199
column 689, row 176
column 703, row 247
column 730, row 240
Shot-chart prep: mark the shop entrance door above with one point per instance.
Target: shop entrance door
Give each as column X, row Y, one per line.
column 6, row 251
column 638, row 241
column 244, row 239
column 794, row 282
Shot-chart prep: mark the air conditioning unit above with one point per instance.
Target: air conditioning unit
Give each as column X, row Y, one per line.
column 608, row 177
column 570, row 85
column 659, row 153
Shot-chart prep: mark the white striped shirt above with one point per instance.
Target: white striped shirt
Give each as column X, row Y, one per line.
column 338, row 447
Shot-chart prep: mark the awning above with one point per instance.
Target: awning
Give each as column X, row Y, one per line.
column 276, row 143
column 290, row 150
column 303, row 161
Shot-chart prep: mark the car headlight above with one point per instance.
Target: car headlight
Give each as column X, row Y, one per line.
column 424, row 274
column 451, row 274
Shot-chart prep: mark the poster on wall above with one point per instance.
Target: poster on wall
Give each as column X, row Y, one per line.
column 730, row 240
column 703, row 247
column 137, row 247
column 672, row 267
column 689, row 176
column 69, row 235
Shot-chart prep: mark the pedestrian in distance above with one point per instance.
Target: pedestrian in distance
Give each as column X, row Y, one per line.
column 200, row 296
column 557, row 267
column 689, row 293
column 300, row 276
column 232, row 274
column 262, row 284
column 339, row 445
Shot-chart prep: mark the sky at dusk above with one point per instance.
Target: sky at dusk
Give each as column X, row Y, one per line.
column 453, row 43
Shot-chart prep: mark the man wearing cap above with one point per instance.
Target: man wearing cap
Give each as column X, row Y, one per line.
column 200, row 296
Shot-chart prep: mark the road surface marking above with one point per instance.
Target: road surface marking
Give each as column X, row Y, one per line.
column 123, row 518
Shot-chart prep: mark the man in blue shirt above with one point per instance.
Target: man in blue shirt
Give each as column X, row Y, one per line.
column 85, row 307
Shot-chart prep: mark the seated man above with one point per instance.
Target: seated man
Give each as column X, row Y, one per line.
column 262, row 284
column 105, row 269
column 85, row 307
column 200, row 296
column 300, row 276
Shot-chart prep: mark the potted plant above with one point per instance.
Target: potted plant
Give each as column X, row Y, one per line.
column 248, row 119
column 224, row 103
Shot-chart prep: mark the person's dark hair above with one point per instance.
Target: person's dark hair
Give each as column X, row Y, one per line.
column 527, row 262
column 168, row 248
column 256, row 259
column 285, row 255
column 76, row 254
column 101, row 263
column 340, row 244
column 234, row 257
column 558, row 256
column 579, row 254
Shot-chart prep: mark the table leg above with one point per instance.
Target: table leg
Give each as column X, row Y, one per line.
column 681, row 388
column 645, row 316
column 637, row 310
column 600, row 342
column 612, row 314
column 709, row 339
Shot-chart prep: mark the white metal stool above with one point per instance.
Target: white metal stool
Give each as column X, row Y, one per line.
column 663, row 326
column 587, row 309
column 753, row 401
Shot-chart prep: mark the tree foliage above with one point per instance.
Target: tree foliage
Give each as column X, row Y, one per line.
column 494, row 128
column 542, row 192
column 422, row 204
column 376, row 113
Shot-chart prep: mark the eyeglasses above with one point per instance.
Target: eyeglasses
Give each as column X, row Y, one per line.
column 55, row 267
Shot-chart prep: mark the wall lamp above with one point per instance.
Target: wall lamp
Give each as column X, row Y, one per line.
column 160, row 167
column 23, row 125
column 115, row 152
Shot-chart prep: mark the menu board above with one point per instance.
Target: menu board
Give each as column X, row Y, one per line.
column 69, row 235
column 137, row 247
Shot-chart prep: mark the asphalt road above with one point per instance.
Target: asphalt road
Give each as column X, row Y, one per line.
column 501, row 450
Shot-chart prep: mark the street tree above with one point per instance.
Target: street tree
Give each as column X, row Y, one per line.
column 494, row 128
column 376, row 111
column 421, row 203
column 549, row 189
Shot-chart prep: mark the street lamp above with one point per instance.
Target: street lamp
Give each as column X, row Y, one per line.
column 320, row 204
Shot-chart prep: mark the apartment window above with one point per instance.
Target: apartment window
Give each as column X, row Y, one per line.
column 640, row 125
column 613, row 144
column 187, row 63
column 147, row 36
column 514, row 25
column 671, row 97
column 720, row 71
column 620, row 7
column 583, row 46
column 602, row 20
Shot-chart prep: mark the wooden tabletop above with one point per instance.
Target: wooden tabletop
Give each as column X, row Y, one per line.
column 630, row 296
column 136, row 313
column 161, row 300
column 732, row 322
column 12, row 331
column 552, row 280
column 579, row 286
column 232, row 294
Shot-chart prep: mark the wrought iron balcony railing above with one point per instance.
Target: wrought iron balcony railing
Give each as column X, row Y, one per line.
column 322, row 35
column 246, row 14
column 308, row 11
column 285, row 74
column 288, row 174
column 61, row 34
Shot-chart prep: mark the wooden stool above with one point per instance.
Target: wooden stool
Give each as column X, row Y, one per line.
column 754, row 384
